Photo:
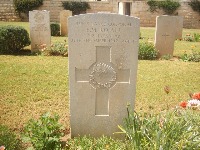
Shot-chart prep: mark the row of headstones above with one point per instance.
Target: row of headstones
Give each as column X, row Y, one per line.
column 103, row 59
column 168, row 29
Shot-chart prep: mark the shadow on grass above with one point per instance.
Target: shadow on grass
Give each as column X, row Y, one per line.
column 23, row 52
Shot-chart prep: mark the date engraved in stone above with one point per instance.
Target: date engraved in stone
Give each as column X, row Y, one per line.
column 102, row 76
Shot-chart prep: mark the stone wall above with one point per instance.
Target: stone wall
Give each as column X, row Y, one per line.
column 148, row 19
column 99, row 6
column 7, row 11
column 191, row 18
column 55, row 6
column 138, row 9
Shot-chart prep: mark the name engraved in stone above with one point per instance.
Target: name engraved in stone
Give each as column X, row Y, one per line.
column 103, row 32
column 40, row 27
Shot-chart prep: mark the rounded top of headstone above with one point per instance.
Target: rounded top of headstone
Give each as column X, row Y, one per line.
column 103, row 14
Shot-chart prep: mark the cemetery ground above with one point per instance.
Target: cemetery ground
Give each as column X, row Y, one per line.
column 33, row 85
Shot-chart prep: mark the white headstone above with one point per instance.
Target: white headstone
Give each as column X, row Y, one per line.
column 178, row 26
column 103, row 55
column 64, row 15
column 40, row 31
column 165, row 35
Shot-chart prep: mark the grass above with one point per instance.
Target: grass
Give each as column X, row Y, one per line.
column 153, row 76
column 32, row 85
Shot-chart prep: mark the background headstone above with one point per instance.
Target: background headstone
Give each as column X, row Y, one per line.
column 178, row 26
column 40, row 31
column 103, row 55
column 64, row 15
column 165, row 35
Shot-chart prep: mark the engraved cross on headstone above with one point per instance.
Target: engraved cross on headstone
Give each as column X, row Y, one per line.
column 165, row 36
column 102, row 75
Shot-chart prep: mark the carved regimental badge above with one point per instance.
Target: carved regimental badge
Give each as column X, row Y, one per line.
column 102, row 76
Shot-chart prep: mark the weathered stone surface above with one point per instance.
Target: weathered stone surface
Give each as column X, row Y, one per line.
column 64, row 15
column 165, row 35
column 40, row 31
column 103, row 55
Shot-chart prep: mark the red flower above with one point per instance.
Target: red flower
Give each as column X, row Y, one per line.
column 196, row 96
column 183, row 104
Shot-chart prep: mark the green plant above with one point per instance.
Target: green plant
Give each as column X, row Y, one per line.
column 168, row 6
column 168, row 130
column 147, row 51
column 56, row 49
column 44, row 133
column 9, row 140
column 189, row 38
column 195, row 4
column 24, row 6
column 184, row 57
column 75, row 6
column 194, row 57
column 13, row 39
column 153, row 5
column 59, row 49
column 194, row 38
column 55, row 29
column 89, row 143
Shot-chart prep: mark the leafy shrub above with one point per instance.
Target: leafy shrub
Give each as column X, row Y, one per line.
column 195, row 57
column 13, row 39
column 56, row 49
column 24, row 6
column 9, row 139
column 195, row 4
column 75, row 6
column 168, row 130
column 147, row 51
column 192, row 38
column 45, row 133
column 168, row 6
column 153, row 5
column 55, row 29
column 189, row 38
column 59, row 49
